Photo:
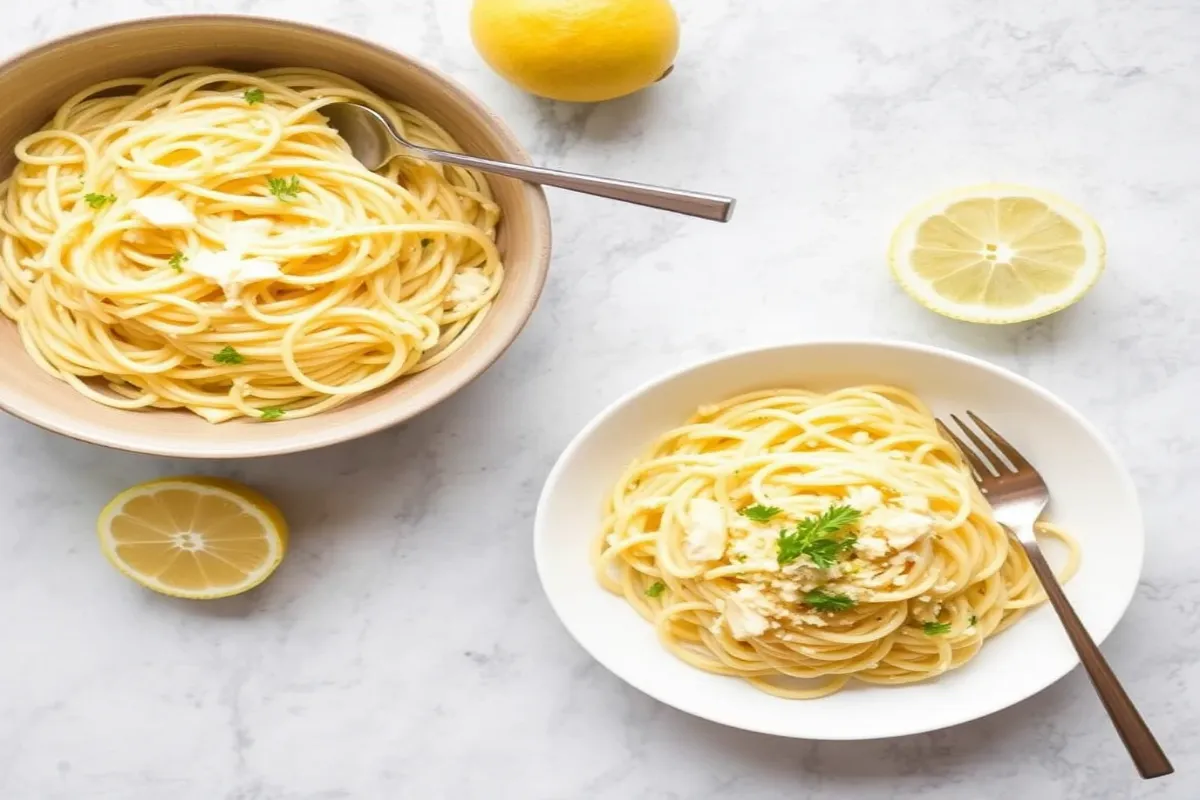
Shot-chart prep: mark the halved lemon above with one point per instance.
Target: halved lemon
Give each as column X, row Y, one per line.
column 997, row 254
column 197, row 538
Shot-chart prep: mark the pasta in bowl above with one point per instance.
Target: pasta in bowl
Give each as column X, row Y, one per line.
column 204, row 240
column 780, row 540
column 187, row 243
column 791, row 534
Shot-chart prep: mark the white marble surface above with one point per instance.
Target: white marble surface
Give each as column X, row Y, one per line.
column 404, row 650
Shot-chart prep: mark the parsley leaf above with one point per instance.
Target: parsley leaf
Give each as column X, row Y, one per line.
column 99, row 200
column 971, row 622
column 283, row 188
column 823, row 601
column 759, row 512
column 227, row 355
column 656, row 588
column 254, row 95
column 271, row 412
column 813, row 537
column 175, row 262
column 824, row 552
column 935, row 628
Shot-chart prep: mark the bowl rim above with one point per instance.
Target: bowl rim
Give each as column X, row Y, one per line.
column 541, row 532
column 333, row 434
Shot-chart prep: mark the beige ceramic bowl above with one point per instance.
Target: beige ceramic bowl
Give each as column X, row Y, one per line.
column 33, row 85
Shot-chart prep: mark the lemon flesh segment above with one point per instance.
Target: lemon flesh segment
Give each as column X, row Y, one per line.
column 997, row 254
column 196, row 538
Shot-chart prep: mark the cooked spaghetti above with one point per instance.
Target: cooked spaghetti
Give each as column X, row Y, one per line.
column 204, row 240
column 798, row 540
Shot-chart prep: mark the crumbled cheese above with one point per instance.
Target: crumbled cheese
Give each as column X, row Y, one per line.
column 871, row 546
column 707, row 532
column 163, row 212
column 864, row 498
column 855, row 593
column 468, row 286
column 241, row 234
column 896, row 527
column 860, row 437
column 945, row 588
column 789, row 591
column 758, row 544
column 914, row 502
column 229, row 270
column 743, row 612
column 806, row 575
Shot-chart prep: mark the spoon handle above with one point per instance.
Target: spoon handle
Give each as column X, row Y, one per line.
column 695, row 204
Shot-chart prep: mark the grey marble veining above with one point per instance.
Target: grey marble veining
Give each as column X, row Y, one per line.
column 404, row 650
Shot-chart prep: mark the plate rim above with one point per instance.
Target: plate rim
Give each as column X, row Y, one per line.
column 554, row 477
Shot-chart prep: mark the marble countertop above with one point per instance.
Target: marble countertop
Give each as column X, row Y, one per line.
column 405, row 650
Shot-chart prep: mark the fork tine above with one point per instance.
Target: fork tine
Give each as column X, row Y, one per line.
column 977, row 466
column 1019, row 461
column 987, row 451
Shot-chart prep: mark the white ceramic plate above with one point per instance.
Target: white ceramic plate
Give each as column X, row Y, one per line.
column 1093, row 497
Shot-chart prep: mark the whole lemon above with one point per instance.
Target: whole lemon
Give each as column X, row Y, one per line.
column 577, row 50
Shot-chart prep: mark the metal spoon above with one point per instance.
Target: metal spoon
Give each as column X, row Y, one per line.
column 374, row 142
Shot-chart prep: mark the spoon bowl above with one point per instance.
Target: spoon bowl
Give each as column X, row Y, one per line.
column 370, row 135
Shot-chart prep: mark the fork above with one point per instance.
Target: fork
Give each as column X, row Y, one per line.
column 1018, row 496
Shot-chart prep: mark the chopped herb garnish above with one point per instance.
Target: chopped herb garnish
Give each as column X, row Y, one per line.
column 760, row 513
column 175, row 262
column 99, row 200
column 656, row 588
column 283, row 188
column 935, row 628
column 254, row 95
column 823, row 601
column 824, row 552
column 813, row 537
column 426, row 242
column 971, row 622
column 227, row 355
column 272, row 412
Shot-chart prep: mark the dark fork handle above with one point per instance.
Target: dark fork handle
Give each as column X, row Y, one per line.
column 1139, row 741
